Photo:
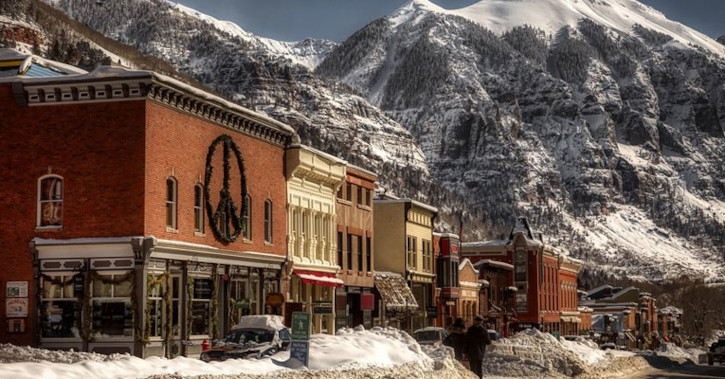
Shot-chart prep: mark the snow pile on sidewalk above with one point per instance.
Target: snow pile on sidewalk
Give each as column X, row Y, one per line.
column 531, row 353
column 358, row 352
column 672, row 351
column 587, row 351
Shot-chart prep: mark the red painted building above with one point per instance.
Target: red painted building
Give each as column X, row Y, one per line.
column 446, row 247
column 139, row 212
column 536, row 276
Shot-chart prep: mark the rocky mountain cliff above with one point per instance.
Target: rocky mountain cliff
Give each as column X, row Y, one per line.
column 607, row 134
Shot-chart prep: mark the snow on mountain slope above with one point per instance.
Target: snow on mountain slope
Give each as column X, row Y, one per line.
column 606, row 133
column 308, row 53
column 551, row 15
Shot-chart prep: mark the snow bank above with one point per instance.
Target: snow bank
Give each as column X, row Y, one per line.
column 350, row 350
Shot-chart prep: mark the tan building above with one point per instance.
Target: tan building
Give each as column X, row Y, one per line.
column 470, row 287
column 313, row 179
column 355, row 301
column 404, row 245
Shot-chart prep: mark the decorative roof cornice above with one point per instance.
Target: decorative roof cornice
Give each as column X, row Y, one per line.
column 109, row 84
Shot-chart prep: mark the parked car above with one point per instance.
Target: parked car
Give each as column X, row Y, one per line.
column 717, row 352
column 430, row 336
column 254, row 337
column 495, row 336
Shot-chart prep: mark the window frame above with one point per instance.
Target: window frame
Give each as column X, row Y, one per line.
column 268, row 221
column 172, row 205
column 41, row 201
column 247, row 218
column 199, row 202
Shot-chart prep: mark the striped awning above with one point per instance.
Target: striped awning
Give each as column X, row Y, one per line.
column 319, row 278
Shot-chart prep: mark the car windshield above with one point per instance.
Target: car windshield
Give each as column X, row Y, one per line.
column 428, row 335
column 243, row 336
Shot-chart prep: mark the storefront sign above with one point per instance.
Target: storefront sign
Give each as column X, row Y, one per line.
column 16, row 307
column 203, row 288
column 16, row 289
column 301, row 351
column 300, row 326
column 16, row 325
column 432, row 311
column 79, row 287
column 322, row 309
column 274, row 299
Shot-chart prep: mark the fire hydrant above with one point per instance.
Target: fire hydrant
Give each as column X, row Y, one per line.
column 205, row 345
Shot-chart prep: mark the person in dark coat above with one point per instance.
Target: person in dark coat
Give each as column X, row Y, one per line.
column 477, row 339
column 457, row 338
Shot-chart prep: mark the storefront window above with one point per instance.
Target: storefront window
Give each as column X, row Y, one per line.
column 112, row 314
column 200, row 306
column 60, row 310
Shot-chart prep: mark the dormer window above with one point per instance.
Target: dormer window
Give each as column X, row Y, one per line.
column 50, row 201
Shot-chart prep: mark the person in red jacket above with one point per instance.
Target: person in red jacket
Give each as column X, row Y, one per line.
column 477, row 339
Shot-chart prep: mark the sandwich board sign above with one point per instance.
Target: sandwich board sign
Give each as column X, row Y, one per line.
column 300, row 326
column 300, row 334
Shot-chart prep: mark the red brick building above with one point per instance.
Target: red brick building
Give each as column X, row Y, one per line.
column 537, row 277
column 139, row 212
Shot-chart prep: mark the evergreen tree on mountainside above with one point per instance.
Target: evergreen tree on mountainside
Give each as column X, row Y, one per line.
column 721, row 39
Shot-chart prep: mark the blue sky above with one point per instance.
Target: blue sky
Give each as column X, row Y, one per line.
column 294, row 20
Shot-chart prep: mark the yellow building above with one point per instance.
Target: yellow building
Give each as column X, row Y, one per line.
column 404, row 244
column 313, row 179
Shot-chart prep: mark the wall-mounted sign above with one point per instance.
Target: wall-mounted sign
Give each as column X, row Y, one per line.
column 322, row 309
column 16, row 289
column 367, row 302
column 242, row 304
column 16, row 325
column 16, row 307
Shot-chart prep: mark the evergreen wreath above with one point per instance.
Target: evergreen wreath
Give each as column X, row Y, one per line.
column 226, row 205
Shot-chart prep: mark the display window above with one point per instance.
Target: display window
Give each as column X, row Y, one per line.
column 111, row 311
column 60, row 309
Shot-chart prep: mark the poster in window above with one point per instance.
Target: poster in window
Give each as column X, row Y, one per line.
column 203, row 288
column 78, row 285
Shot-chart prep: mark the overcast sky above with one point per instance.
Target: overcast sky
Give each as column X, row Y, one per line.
column 294, row 20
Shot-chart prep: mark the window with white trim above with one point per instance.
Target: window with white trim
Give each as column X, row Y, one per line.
column 199, row 208
column 171, row 202
column 112, row 314
column 50, row 201
column 60, row 309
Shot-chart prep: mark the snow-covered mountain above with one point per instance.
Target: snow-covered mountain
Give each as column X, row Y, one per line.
column 602, row 121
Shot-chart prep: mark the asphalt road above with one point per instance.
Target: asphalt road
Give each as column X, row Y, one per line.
column 684, row 371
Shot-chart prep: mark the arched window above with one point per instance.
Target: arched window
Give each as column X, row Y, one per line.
column 171, row 203
column 268, row 221
column 199, row 208
column 50, row 201
column 247, row 218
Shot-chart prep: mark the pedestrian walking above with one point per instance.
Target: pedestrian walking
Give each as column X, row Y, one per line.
column 457, row 338
column 477, row 339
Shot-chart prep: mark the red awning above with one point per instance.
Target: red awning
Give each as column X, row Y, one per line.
column 319, row 278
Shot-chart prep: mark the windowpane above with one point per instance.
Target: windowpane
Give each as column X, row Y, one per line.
column 198, row 208
column 101, row 289
column 60, row 319
column 268, row 221
column 171, row 203
column 246, row 218
column 112, row 318
column 50, row 201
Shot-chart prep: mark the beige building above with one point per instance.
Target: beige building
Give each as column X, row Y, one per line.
column 313, row 179
column 404, row 245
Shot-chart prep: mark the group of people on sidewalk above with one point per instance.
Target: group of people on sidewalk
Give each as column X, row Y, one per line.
column 471, row 342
